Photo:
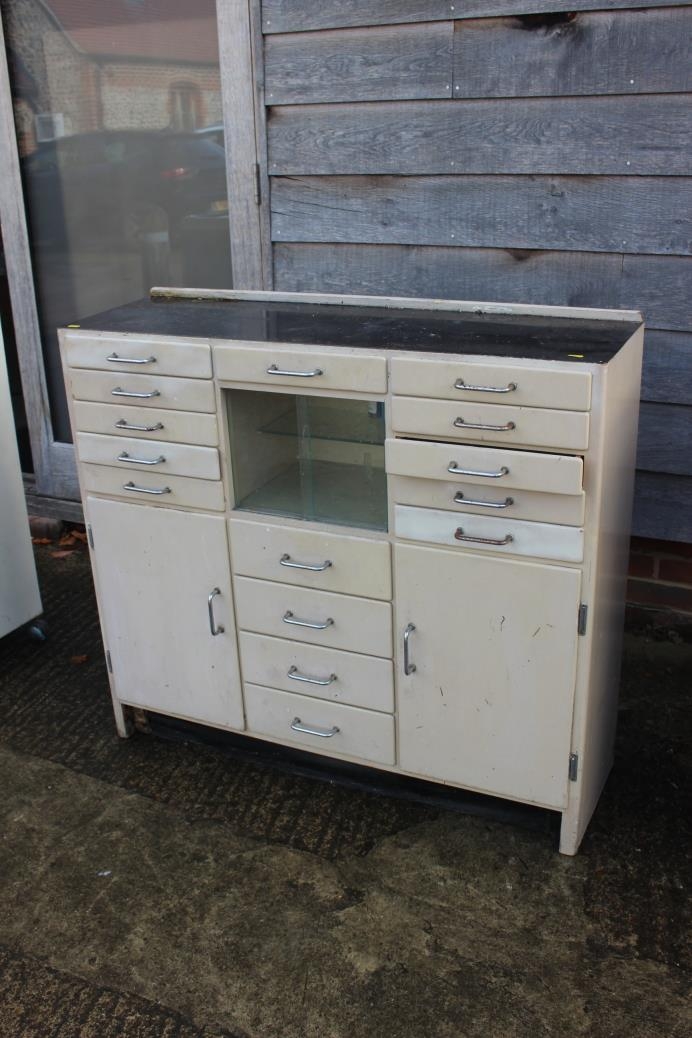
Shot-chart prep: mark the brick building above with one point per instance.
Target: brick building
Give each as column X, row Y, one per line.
column 112, row 65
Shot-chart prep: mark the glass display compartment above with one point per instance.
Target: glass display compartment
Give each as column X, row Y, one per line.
column 308, row 457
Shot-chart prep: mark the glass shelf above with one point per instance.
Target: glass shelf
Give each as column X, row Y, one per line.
column 335, row 493
column 329, row 421
column 306, row 457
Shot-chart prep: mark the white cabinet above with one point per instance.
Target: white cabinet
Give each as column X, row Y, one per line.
column 20, row 600
column 487, row 700
column 172, row 646
column 427, row 547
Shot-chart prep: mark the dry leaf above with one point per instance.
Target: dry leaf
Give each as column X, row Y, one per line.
column 80, row 535
column 41, row 540
column 60, row 554
column 79, row 659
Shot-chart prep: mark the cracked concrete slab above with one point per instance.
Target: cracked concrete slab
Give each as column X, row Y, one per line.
column 456, row 928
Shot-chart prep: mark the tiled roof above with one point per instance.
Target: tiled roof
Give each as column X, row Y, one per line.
column 169, row 30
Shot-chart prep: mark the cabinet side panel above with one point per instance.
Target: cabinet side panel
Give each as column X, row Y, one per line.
column 599, row 671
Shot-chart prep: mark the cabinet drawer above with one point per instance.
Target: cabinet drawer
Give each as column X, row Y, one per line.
column 304, row 368
column 156, row 424
column 356, row 566
column 488, row 533
column 149, row 456
column 178, row 394
column 489, row 466
column 491, row 423
column 485, row 382
column 345, row 622
column 153, row 489
column 133, row 353
column 340, row 731
column 341, row 677
column 567, row 509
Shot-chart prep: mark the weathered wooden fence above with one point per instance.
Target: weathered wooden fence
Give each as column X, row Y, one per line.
column 497, row 149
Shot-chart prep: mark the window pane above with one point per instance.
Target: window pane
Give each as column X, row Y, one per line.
column 118, row 112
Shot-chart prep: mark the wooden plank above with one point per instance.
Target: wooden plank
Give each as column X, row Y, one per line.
column 300, row 15
column 360, row 64
column 662, row 286
column 238, row 101
column 665, row 439
column 551, row 278
column 603, row 52
column 646, row 135
column 662, row 507
column 52, row 507
column 609, row 214
column 667, row 374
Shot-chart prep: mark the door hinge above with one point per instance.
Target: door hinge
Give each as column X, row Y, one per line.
column 109, row 661
column 257, row 183
column 581, row 618
column 573, row 767
column 90, row 535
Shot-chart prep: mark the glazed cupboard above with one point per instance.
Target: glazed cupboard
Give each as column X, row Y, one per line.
column 388, row 531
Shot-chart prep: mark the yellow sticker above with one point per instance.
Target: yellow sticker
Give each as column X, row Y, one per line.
column 74, row 326
column 579, row 356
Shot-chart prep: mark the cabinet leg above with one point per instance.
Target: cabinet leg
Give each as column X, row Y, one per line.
column 123, row 721
column 570, row 837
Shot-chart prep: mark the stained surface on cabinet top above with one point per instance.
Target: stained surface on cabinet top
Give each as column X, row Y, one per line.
column 372, row 327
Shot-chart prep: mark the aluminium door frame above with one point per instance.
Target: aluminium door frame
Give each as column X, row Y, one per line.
column 240, row 66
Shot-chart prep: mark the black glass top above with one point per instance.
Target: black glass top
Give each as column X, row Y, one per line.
column 371, row 327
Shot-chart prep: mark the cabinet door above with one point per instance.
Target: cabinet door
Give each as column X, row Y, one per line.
column 489, row 704
column 155, row 568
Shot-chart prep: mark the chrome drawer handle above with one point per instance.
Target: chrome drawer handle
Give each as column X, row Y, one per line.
column 461, row 536
column 459, row 499
column 453, row 467
column 115, row 359
column 289, row 618
column 124, row 456
column 145, row 490
column 295, row 674
column 213, row 626
column 321, row 733
column 122, row 424
column 509, row 388
column 409, row 668
column 273, row 370
column 139, row 396
column 458, row 422
column 286, row 560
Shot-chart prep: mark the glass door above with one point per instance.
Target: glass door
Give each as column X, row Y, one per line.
column 115, row 110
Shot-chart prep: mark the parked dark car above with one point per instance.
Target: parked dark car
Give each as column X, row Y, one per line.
column 122, row 184
column 214, row 133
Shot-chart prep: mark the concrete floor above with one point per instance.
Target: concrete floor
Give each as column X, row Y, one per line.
column 130, row 907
